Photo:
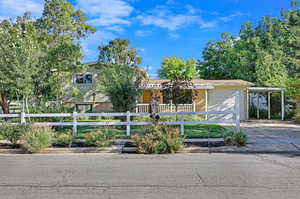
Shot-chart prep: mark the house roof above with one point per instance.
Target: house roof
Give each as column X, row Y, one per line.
column 208, row 82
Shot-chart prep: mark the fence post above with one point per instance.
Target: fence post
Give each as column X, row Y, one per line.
column 181, row 124
column 237, row 111
column 128, row 125
column 194, row 107
column 23, row 115
column 74, row 123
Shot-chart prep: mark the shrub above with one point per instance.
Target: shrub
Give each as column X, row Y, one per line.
column 235, row 138
column 12, row 133
column 63, row 139
column 162, row 139
column 297, row 117
column 99, row 138
column 37, row 139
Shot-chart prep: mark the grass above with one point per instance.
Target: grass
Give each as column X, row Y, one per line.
column 191, row 131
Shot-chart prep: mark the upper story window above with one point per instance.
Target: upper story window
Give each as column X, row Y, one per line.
column 83, row 79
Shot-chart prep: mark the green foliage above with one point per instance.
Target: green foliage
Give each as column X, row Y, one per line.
column 297, row 117
column 173, row 67
column 267, row 55
column 236, row 138
column 37, row 139
column 159, row 140
column 18, row 59
column 12, row 133
column 120, row 77
column 99, row 138
column 118, row 52
column 63, row 139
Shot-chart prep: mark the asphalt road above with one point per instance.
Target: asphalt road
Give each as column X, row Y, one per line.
column 188, row 176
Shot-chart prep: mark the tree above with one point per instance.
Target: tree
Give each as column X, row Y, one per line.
column 18, row 60
column 180, row 74
column 61, row 27
column 173, row 67
column 120, row 77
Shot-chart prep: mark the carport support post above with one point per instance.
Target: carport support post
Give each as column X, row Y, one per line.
column 237, row 111
column 74, row 115
column 269, row 105
column 258, row 105
column 282, row 104
column 206, row 103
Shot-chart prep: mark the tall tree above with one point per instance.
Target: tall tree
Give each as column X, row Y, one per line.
column 173, row 67
column 120, row 77
column 61, row 27
column 18, row 60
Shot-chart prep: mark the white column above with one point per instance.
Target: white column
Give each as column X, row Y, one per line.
column 269, row 105
column 257, row 106
column 181, row 124
column 206, row 103
column 247, row 104
column 282, row 105
column 237, row 111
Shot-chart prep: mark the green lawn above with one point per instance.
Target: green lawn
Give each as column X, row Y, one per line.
column 191, row 131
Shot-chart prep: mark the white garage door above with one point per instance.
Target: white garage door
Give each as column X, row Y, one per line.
column 221, row 100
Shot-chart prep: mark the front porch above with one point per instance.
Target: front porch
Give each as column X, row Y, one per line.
column 144, row 108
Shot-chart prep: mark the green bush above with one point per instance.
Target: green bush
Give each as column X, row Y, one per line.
column 297, row 117
column 235, row 138
column 99, row 138
column 37, row 139
column 63, row 139
column 43, row 108
column 161, row 140
column 12, row 133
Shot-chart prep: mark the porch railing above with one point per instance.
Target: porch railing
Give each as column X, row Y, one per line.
column 144, row 108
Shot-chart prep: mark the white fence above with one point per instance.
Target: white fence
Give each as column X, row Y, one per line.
column 75, row 123
column 144, row 108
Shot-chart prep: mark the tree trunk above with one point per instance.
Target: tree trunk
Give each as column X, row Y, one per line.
column 4, row 103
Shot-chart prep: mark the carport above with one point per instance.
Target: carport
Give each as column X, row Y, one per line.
column 259, row 90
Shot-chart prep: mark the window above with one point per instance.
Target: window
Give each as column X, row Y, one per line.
column 84, row 107
column 83, row 78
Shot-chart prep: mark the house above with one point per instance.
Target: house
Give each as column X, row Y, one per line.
column 211, row 95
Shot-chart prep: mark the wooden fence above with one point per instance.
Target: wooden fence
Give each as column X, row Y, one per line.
column 128, row 123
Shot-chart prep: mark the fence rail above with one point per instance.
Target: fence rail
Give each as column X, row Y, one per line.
column 75, row 123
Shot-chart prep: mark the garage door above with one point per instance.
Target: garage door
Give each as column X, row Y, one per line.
column 221, row 100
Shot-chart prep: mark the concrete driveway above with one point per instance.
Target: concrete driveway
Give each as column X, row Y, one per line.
column 272, row 136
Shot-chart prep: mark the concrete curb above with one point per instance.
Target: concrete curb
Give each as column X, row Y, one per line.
column 113, row 149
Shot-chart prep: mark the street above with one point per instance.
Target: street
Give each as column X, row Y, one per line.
column 150, row 176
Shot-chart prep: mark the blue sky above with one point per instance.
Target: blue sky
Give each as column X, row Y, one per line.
column 159, row 28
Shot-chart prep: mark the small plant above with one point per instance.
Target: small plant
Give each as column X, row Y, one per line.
column 162, row 139
column 12, row 133
column 63, row 139
column 37, row 139
column 99, row 138
column 236, row 138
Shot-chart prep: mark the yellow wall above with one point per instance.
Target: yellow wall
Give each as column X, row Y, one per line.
column 147, row 96
column 200, row 99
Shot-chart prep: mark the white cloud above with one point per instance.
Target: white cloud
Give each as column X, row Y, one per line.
column 230, row 17
column 106, row 12
column 14, row 8
column 143, row 33
column 164, row 18
column 116, row 29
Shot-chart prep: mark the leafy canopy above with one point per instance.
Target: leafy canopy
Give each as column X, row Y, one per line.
column 173, row 67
